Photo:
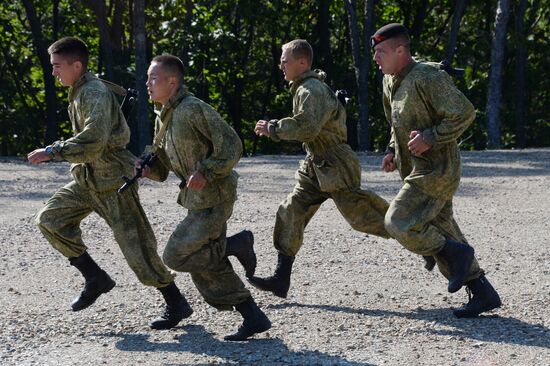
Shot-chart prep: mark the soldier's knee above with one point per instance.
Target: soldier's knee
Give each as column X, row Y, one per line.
column 44, row 221
column 169, row 259
column 393, row 226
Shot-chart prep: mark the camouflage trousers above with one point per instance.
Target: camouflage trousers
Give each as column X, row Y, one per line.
column 363, row 210
column 422, row 223
column 60, row 219
column 197, row 246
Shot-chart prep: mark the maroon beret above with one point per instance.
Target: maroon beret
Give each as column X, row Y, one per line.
column 388, row 31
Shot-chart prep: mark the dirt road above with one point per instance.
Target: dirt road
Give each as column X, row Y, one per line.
column 354, row 299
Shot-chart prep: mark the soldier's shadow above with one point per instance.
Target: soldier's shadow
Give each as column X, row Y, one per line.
column 491, row 328
column 195, row 339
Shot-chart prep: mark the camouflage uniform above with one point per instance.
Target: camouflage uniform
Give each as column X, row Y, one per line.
column 99, row 159
column 331, row 169
column 197, row 138
column 424, row 98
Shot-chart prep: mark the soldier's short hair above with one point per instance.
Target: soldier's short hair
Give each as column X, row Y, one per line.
column 170, row 63
column 300, row 48
column 71, row 48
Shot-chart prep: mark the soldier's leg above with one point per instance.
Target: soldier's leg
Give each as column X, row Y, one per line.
column 449, row 228
column 364, row 210
column 59, row 221
column 295, row 212
column 197, row 246
column 410, row 221
column 135, row 237
column 293, row 215
column 485, row 297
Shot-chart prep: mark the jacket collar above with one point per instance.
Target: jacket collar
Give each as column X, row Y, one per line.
column 173, row 102
column 317, row 74
column 87, row 76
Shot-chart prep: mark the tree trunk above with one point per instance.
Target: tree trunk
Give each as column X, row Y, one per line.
column 184, row 53
column 361, row 63
column 419, row 20
column 521, row 62
column 49, row 82
column 494, row 93
column 324, row 58
column 455, row 28
column 100, row 11
column 55, row 11
column 143, row 123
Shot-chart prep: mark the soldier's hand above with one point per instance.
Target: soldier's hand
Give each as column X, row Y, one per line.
column 38, row 156
column 145, row 169
column 388, row 165
column 417, row 145
column 261, row 128
column 197, row 181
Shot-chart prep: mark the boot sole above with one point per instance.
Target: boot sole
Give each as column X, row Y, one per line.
column 260, row 329
column 169, row 325
column 465, row 314
column 106, row 289
column 281, row 294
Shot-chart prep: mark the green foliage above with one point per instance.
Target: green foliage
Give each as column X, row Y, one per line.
column 232, row 49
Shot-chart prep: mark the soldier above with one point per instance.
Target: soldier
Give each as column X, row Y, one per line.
column 193, row 141
column 330, row 170
column 99, row 159
column 427, row 114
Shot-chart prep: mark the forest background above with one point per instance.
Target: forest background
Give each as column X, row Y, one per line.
column 231, row 51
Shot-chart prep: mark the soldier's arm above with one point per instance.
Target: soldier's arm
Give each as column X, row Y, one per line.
column 96, row 108
column 226, row 145
column 452, row 109
column 306, row 124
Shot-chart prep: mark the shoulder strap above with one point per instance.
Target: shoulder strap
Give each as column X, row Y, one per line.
column 158, row 140
column 115, row 88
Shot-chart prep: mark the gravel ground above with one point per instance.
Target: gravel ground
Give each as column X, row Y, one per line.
column 354, row 300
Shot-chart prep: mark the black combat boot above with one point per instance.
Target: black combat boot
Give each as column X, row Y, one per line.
column 177, row 308
column 255, row 321
column 97, row 281
column 279, row 283
column 458, row 257
column 429, row 262
column 484, row 298
column 241, row 245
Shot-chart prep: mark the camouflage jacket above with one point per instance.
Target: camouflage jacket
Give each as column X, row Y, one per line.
column 197, row 138
column 319, row 121
column 97, row 150
column 424, row 98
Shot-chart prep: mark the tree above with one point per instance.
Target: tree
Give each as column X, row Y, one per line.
column 361, row 62
column 143, row 123
column 458, row 12
column 44, row 58
column 494, row 93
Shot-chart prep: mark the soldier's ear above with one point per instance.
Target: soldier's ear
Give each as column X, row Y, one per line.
column 77, row 65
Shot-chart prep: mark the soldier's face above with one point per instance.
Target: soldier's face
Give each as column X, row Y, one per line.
column 386, row 56
column 290, row 66
column 65, row 71
column 160, row 85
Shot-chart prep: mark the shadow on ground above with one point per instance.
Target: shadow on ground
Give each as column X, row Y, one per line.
column 491, row 328
column 196, row 340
